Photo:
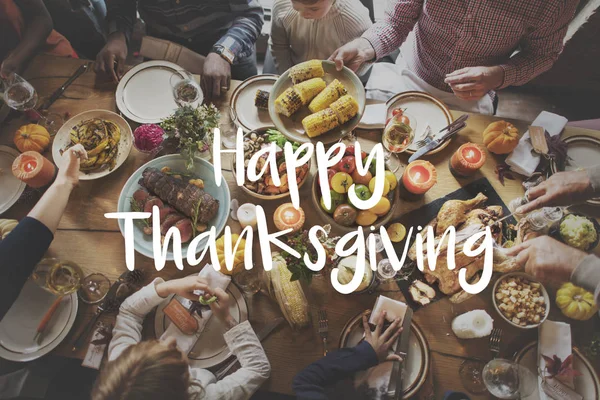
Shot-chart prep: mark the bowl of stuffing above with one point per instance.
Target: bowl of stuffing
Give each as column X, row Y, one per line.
column 520, row 300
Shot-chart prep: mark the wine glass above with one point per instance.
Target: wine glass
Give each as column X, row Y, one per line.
column 470, row 373
column 229, row 130
column 94, row 288
column 20, row 95
column 507, row 379
column 398, row 134
column 186, row 91
column 385, row 270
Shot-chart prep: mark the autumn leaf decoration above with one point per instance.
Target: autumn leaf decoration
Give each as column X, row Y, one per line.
column 556, row 368
column 557, row 150
column 503, row 171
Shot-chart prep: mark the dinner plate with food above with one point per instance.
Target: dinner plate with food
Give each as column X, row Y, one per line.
column 19, row 326
column 11, row 186
column 264, row 188
column 313, row 101
column 250, row 102
column 210, row 349
column 429, row 113
column 376, row 379
column 106, row 137
column 189, row 200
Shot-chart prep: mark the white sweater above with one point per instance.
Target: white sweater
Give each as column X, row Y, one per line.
column 295, row 39
column 240, row 339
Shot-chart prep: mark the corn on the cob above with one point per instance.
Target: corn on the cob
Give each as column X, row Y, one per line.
column 318, row 123
column 332, row 92
column 261, row 99
column 289, row 295
column 307, row 90
column 306, row 70
column 345, row 108
column 288, row 102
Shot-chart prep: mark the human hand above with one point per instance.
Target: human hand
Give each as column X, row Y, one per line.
column 115, row 50
column 561, row 189
column 472, row 83
column 215, row 76
column 383, row 342
column 353, row 54
column 220, row 308
column 547, row 259
column 68, row 173
column 183, row 287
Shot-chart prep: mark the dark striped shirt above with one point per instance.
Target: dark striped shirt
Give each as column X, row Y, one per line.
column 197, row 24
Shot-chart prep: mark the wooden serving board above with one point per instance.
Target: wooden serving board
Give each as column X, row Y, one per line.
column 422, row 217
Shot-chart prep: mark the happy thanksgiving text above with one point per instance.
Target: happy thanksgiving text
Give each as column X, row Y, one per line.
column 352, row 243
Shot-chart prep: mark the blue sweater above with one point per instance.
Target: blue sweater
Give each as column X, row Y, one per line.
column 20, row 252
column 310, row 383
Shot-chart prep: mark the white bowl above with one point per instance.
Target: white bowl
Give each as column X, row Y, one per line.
column 531, row 279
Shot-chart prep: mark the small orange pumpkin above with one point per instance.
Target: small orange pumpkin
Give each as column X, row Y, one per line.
column 32, row 137
column 501, row 137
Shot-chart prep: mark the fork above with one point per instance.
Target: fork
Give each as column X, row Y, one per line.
column 323, row 329
column 495, row 339
column 424, row 141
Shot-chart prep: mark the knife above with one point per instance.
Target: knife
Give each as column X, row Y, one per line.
column 402, row 351
column 262, row 335
column 436, row 142
column 58, row 92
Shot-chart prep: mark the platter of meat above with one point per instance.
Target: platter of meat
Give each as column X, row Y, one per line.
column 191, row 201
column 469, row 209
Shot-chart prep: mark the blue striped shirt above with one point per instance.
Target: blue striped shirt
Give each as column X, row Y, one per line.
column 200, row 25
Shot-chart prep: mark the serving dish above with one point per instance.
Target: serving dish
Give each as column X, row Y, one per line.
column 262, row 196
column 11, row 186
column 292, row 127
column 531, row 279
column 203, row 170
column 63, row 139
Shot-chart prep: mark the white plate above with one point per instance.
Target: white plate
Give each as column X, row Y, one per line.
column 18, row 327
column 587, row 385
column 416, row 367
column 210, row 349
column 11, row 186
column 145, row 95
column 249, row 116
column 63, row 138
column 427, row 110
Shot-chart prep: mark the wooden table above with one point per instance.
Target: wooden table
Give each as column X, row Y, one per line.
column 96, row 244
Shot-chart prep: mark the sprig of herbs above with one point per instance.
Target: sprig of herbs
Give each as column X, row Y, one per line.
column 195, row 220
column 300, row 242
column 193, row 127
column 135, row 207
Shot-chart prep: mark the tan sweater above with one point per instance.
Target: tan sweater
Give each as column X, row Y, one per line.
column 295, row 39
column 587, row 273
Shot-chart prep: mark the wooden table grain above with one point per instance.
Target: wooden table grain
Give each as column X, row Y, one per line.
column 96, row 244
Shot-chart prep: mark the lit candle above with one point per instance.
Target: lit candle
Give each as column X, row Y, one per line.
column 467, row 160
column 419, row 177
column 246, row 214
column 33, row 169
column 286, row 216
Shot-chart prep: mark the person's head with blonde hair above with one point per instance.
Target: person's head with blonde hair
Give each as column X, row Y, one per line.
column 146, row 371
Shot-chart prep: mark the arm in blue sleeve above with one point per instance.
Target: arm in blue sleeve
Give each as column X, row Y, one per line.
column 244, row 31
column 310, row 383
column 20, row 252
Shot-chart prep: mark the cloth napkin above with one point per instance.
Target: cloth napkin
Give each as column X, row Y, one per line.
column 214, row 279
column 374, row 116
column 554, row 338
column 523, row 160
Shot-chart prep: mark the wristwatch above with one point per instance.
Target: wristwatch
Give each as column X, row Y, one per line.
column 225, row 53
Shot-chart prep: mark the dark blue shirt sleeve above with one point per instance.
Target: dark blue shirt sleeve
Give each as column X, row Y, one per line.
column 20, row 252
column 310, row 383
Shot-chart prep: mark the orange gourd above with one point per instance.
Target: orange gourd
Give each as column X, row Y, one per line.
column 32, row 137
column 501, row 137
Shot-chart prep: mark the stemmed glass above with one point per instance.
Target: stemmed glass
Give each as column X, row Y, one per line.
column 504, row 379
column 397, row 136
column 229, row 130
column 20, row 95
column 186, row 91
